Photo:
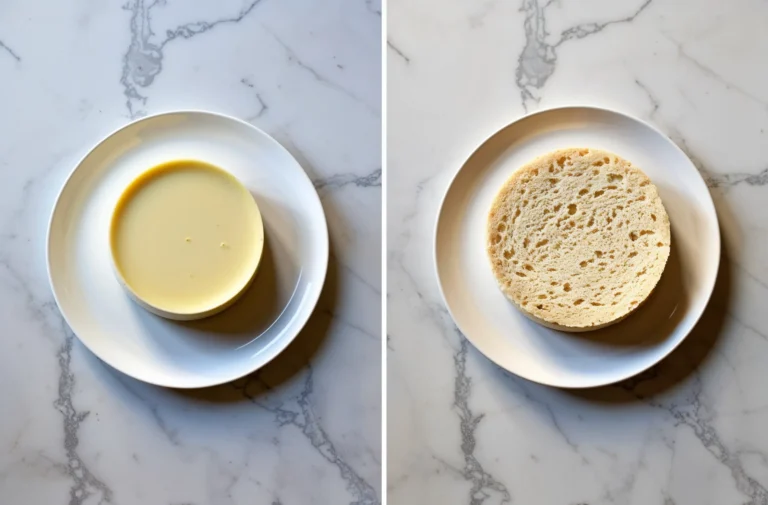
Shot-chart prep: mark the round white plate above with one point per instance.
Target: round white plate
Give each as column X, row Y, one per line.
column 572, row 360
column 220, row 348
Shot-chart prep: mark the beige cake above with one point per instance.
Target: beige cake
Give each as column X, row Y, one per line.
column 578, row 239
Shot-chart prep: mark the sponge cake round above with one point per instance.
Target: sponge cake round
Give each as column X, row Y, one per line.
column 578, row 239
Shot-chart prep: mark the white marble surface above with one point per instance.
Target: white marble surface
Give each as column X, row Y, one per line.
column 691, row 430
column 307, row 428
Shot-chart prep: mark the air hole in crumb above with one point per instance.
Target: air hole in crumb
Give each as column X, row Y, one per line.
column 571, row 223
column 633, row 236
column 633, row 302
column 641, row 272
column 653, row 216
column 633, row 254
column 641, row 198
column 583, row 264
column 597, row 164
column 553, row 181
column 520, row 274
column 566, row 287
column 501, row 227
column 599, row 193
column 557, row 207
column 551, row 168
column 572, row 208
column 540, row 306
column 602, row 288
column 528, row 267
column 644, row 183
column 508, row 254
column 542, row 242
column 646, row 232
column 583, row 192
column 611, row 187
column 599, row 254
column 496, row 238
column 526, row 242
column 579, row 301
column 607, row 160
column 525, row 203
column 542, row 297
column 550, row 269
column 659, row 244
column 561, row 161
column 617, row 293
column 614, row 177
column 596, row 304
column 553, row 283
column 515, row 262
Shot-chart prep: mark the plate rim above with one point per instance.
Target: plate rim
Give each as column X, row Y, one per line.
column 563, row 108
column 271, row 350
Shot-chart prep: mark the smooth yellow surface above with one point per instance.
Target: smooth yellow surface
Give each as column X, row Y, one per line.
column 186, row 237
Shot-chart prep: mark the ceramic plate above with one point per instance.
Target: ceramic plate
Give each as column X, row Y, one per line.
column 220, row 348
column 573, row 360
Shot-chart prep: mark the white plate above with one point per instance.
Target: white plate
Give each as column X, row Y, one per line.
column 220, row 348
column 534, row 352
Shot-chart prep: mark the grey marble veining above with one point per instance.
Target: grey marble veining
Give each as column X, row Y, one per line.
column 538, row 59
column 10, row 52
column 144, row 59
column 391, row 45
column 304, row 429
column 691, row 429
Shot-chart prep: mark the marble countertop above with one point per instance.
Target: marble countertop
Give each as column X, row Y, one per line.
column 692, row 430
column 307, row 428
